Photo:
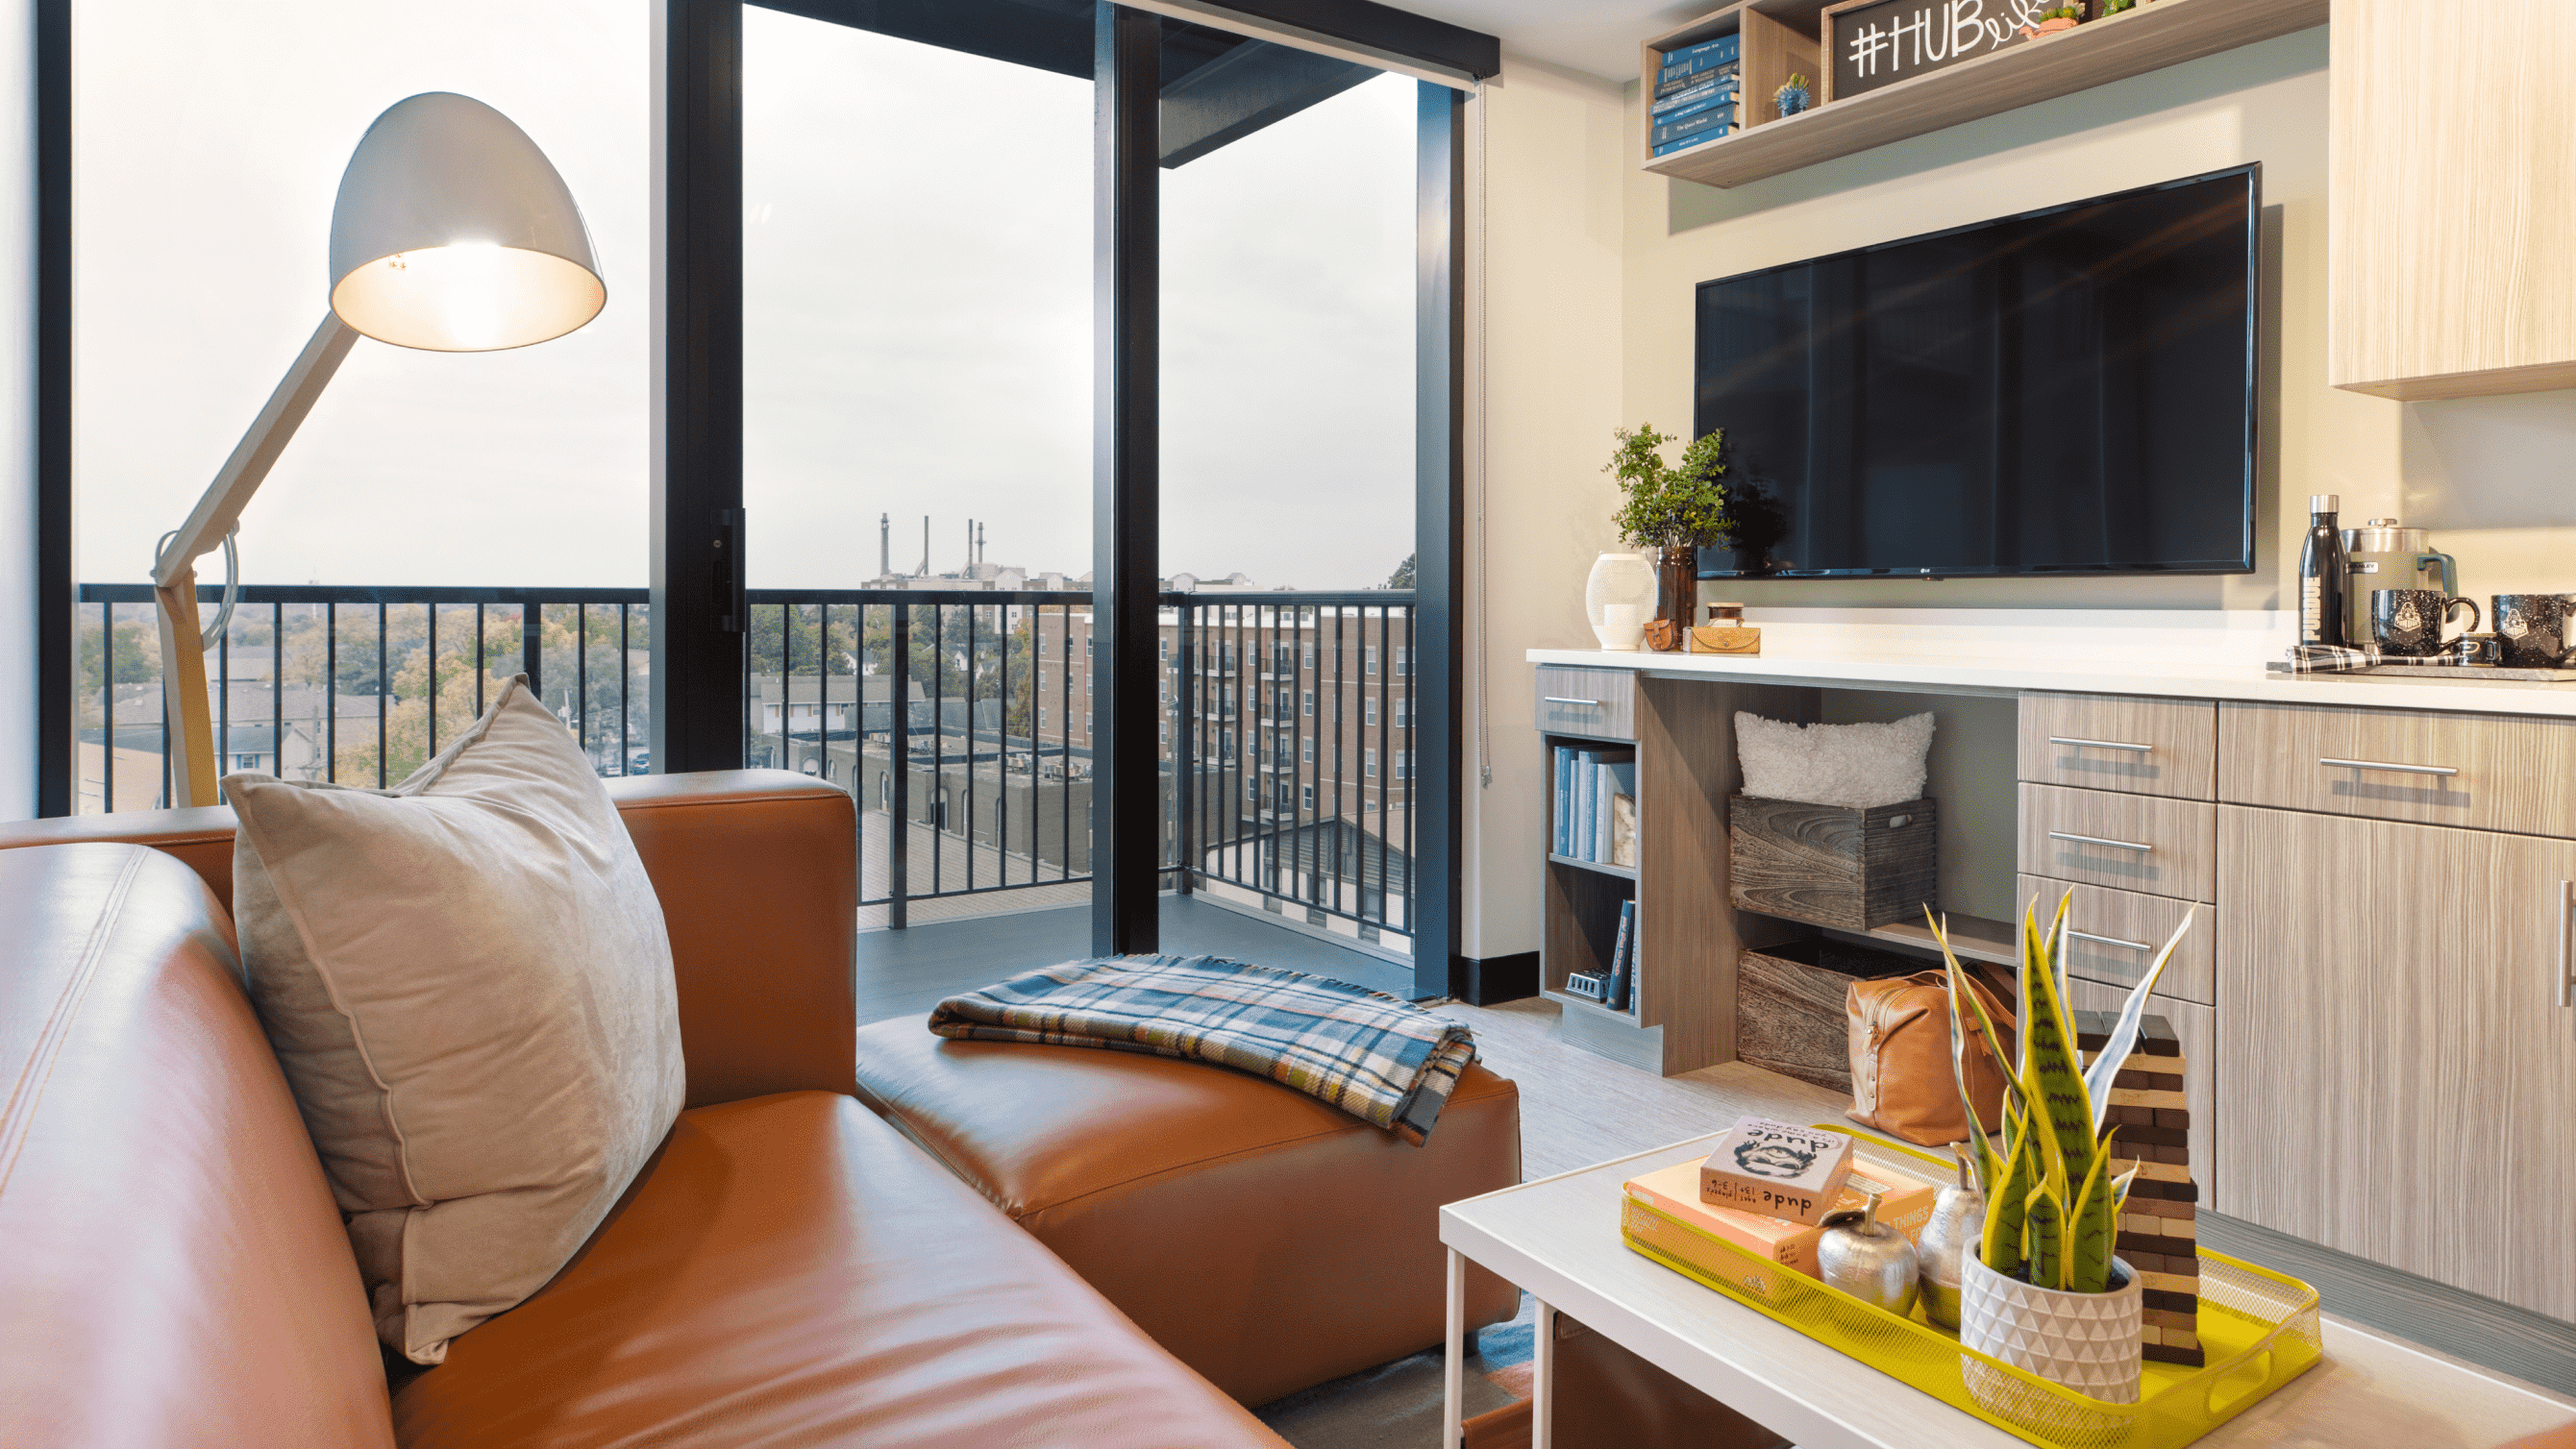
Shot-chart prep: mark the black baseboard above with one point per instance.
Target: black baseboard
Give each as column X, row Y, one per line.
column 2464, row 1325
column 1494, row 978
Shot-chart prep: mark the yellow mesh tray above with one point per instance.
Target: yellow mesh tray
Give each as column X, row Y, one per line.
column 2258, row 1331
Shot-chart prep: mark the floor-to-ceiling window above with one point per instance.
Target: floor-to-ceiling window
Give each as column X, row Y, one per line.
column 441, row 521
column 1288, row 472
column 917, row 452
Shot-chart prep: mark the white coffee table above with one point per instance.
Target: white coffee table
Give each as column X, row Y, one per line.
column 1558, row 1238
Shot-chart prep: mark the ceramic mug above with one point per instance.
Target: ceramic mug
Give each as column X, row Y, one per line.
column 2533, row 628
column 2408, row 622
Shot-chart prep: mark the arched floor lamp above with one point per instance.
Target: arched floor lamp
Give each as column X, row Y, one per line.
column 451, row 233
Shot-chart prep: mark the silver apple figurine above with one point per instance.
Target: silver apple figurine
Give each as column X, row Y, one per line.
column 1868, row 1259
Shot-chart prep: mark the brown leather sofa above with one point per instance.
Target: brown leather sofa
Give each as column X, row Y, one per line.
column 788, row 1269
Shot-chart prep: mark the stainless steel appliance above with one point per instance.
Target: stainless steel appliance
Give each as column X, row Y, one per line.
column 2387, row 556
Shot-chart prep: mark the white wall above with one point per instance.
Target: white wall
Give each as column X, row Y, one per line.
column 2488, row 475
column 1551, row 366
column 17, row 411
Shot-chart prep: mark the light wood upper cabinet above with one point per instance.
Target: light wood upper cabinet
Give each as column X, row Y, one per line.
column 2400, row 1077
column 2451, row 202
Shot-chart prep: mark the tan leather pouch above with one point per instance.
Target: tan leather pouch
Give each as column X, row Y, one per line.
column 1900, row 1059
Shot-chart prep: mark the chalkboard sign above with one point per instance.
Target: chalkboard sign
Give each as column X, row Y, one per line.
column 1874, row 43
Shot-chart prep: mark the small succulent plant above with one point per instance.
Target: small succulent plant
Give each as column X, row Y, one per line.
column 2052, row 1211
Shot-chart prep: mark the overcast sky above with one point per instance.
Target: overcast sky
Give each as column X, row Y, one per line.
column 918, row 278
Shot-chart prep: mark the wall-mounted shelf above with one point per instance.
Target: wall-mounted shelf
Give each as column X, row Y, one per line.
column 2157, row 34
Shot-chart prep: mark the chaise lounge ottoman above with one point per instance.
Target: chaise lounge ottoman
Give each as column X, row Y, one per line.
column 1267, row 1240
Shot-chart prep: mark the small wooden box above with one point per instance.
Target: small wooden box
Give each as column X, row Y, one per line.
column 1830, row 865
column 1776, row 1170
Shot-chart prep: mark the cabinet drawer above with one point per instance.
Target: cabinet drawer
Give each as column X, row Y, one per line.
column 2113, row 936
column 2127, row 842
column 2110, row 742
column 2483, row 771
column 1599, row 704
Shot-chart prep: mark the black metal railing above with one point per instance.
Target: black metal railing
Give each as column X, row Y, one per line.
column 360, row 685
column 1297, row 733
column 1286, row 719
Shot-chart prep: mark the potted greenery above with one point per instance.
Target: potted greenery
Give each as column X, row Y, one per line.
column 1671, row 510
column 2041, row 1291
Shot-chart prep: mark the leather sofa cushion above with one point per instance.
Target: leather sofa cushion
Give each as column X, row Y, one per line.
column 789, row 1270
column 1269, row 1240
column 172, row 1270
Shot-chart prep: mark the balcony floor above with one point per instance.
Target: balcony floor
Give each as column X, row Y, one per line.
column 907, row 972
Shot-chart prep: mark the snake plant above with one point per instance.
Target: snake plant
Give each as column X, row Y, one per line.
column 2052, row 1208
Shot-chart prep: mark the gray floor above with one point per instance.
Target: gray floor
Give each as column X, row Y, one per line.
column 907, row 972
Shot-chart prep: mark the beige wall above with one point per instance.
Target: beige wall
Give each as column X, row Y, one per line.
column 1551, row 363
column 2489, row 475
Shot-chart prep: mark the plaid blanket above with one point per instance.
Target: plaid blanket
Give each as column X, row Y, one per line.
column 2336, row 658
column 1384, row 1061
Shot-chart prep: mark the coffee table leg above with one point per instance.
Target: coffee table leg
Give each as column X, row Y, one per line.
column 1543, row 1378
column 1453, row 1388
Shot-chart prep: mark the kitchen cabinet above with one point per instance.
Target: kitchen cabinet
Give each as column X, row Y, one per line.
column 2399, row 1067
column 2451, row 198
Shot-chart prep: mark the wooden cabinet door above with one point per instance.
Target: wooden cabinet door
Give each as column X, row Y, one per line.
column 2400, row 1078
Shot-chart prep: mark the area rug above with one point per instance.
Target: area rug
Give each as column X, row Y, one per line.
column 1397, row 1405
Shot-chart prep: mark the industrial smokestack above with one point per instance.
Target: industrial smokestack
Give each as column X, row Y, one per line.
column 924, row 570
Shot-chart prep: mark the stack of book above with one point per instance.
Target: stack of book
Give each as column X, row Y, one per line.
column 1695, row 94
column 1596, row 805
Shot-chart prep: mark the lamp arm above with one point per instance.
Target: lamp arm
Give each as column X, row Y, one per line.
column 219, row 509
column 217, row 514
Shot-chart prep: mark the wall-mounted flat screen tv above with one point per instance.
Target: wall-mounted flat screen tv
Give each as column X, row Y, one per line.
column 2069, row 391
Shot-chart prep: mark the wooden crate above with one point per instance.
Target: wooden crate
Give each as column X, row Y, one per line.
column 1791, row 1012
column 1829, row 865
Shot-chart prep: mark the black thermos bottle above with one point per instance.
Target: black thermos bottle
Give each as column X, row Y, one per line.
column 2324, row 571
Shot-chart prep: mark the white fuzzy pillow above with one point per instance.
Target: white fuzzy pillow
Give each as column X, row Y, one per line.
column 1860, row 766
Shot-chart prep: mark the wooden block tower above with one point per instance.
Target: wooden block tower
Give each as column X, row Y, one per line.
column 2157, row 1232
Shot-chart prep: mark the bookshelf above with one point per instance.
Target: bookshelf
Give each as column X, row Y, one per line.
column 1682, row 1001
column 1784, row 35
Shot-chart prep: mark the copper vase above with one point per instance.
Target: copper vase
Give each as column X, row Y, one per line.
column 1676, row 595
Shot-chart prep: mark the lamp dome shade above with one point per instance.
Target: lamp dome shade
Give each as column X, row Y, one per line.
column 453, row 233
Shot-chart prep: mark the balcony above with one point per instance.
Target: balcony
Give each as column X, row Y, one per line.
column 993, row 796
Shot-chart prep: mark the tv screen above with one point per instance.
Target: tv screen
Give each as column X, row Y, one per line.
column 2066, row 391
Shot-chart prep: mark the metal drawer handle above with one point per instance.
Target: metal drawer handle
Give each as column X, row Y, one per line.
column 2384, row 765
column 2108, row 940
column 2098, row 840
column 2100, row 744
column 1560, row 699
column 2566, row 951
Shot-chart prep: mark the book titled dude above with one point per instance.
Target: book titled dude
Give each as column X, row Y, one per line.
column 1776, row 1170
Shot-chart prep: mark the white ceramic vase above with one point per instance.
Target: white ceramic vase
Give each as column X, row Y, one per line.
column 1619, row 598
column 2088, row 1342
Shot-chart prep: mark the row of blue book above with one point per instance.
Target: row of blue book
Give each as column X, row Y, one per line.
column 1614, row 987
column 1695, row 94
column 1596, row 805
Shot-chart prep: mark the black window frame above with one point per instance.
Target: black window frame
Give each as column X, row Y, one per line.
column 697, row 567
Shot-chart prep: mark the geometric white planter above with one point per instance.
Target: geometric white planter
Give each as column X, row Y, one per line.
column 2088, row 1342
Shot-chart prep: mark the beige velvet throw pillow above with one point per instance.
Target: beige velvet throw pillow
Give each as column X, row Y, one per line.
column 468, row 982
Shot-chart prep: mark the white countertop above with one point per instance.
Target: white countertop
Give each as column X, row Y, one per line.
column 2109, row 675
